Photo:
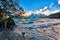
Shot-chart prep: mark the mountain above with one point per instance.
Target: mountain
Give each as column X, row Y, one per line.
column 55, row 15
column 36, row 15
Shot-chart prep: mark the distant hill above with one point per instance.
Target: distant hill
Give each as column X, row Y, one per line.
column 55, row 15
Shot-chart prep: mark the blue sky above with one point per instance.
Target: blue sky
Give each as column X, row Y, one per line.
column 32, row 5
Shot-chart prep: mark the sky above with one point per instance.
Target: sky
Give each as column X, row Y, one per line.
column 32, row 5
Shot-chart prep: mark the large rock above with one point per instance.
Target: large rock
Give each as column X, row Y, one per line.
column 7, row 23
column 10, row 23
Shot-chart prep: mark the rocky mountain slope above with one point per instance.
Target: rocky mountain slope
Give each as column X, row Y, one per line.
column 55, row 15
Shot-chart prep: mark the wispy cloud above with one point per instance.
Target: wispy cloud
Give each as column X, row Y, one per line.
column 45, row 8
column 51, row 5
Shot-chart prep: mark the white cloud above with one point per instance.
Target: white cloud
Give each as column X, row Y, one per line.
column 51, row 5
column 58, row 1
column 45, row 8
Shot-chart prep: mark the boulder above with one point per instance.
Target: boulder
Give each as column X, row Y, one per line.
column 7, row 24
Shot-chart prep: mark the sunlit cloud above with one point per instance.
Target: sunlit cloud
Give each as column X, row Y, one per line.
column 37, row 12
column 46, row 12
column 28, row 13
